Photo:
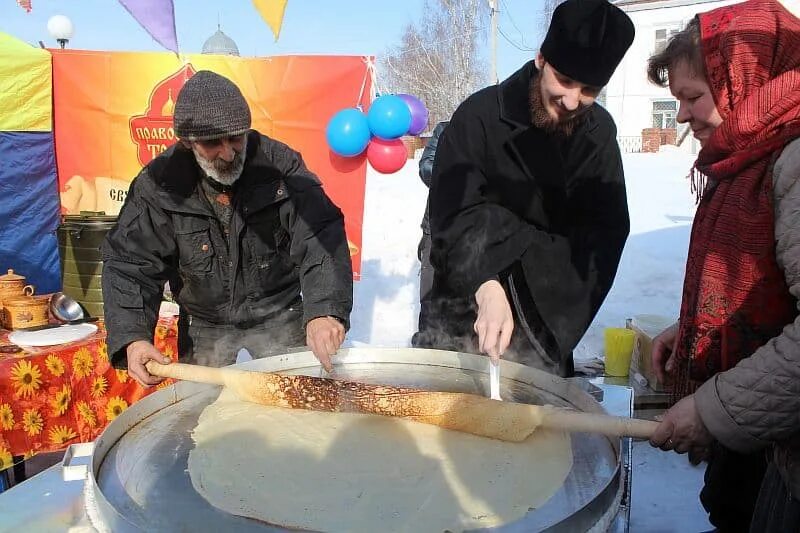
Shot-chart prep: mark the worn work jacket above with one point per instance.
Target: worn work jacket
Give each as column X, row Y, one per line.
column 286, row 238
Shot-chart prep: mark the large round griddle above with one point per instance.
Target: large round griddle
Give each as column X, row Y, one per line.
column 138, row 478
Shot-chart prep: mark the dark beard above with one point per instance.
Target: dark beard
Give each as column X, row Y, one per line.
column 541, row 119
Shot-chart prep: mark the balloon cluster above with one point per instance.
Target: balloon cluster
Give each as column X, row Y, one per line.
column 350, row 131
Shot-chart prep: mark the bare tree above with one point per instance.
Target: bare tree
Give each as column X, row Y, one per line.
column 439, row 58
column 547, row 14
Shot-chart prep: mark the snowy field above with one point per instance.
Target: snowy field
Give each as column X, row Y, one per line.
column 648, row 281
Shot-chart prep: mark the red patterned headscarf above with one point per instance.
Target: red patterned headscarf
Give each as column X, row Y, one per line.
column 735, row 296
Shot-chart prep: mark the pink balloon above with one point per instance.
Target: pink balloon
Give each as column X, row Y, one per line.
column 386, row 156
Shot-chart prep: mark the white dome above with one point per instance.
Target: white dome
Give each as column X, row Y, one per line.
column 220, row 44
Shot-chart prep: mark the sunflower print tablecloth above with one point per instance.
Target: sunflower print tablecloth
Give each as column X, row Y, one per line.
column 55, row 396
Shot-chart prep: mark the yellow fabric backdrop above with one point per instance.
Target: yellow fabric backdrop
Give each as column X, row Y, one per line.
column 25, row 86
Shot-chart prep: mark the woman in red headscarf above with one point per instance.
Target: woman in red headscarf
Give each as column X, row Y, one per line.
column 734, row 355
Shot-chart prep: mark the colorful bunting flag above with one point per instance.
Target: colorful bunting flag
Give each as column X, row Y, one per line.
column 157, row 17
column 25, row 4
column 272, row 13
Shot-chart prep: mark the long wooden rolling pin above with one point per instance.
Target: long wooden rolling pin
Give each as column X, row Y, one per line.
column 468, row 413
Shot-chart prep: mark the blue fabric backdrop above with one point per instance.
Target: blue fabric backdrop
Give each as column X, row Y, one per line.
column 29, row 208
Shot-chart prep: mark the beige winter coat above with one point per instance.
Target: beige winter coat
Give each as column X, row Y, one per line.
column 757, row 403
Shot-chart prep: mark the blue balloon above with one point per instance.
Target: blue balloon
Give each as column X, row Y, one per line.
column 348, row 132
column 389, row 117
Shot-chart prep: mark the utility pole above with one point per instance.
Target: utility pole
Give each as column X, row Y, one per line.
column 493, row 8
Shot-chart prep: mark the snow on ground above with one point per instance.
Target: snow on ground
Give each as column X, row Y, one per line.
column 650, row 276
column 386, row 299
column 649, row 279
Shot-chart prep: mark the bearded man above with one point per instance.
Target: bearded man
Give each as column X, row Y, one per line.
column 527, row 203
column 254, row 251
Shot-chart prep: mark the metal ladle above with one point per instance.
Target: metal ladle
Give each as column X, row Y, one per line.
column 66, row 308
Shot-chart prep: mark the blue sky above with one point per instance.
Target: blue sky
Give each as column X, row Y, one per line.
column 310, row 26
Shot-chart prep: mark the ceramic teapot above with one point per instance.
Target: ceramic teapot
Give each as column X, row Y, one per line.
column 13, row 286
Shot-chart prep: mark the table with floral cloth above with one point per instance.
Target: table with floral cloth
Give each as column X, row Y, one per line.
column 54, row 396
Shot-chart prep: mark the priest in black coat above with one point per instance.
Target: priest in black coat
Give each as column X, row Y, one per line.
column 527, row 203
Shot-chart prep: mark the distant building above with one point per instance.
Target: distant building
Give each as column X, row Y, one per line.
column 645, row 114
column 220, row 44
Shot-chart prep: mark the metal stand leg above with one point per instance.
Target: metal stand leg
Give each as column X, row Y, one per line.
column 19, row 469
column 5, row 481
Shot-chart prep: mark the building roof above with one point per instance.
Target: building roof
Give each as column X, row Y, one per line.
column 220, row 44
column 643, row 5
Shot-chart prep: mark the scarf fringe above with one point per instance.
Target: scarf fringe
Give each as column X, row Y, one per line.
column 697, row 183
column 682, row 383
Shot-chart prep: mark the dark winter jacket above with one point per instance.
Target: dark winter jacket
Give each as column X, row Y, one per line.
column 428, row 154
column 286, row 236
column 507, row 196
column 426, row 168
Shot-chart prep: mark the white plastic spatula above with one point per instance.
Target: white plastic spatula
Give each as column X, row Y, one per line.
column 494, row 380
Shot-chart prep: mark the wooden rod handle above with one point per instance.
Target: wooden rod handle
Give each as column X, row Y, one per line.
column 551, row 417
column 182, row 371
column 615, row 426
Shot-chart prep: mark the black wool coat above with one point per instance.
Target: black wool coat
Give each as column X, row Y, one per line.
column 544, row 214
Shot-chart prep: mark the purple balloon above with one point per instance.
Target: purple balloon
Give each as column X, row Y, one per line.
column 419, row 114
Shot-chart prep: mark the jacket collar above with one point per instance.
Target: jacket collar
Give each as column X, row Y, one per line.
column 513, row 96
column 177, row 177
column 527, row 142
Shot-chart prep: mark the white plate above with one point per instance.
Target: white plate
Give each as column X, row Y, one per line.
column 50, row 337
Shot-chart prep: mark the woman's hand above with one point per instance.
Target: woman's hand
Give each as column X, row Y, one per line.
column 663, row 356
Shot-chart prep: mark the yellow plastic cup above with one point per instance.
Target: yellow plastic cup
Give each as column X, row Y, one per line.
column 619, row 349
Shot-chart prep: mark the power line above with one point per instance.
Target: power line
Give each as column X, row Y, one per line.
column 514, row 44
column 510, row 17
column 493, row 19
column 524, row 46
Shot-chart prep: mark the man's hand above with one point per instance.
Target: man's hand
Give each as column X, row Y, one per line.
column 495, row 323
column 139, row 353
column 663, row 356
column 683, row 430
column 324, row 335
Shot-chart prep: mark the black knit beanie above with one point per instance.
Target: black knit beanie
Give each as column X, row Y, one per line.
column 587, row 39
column 210, row 106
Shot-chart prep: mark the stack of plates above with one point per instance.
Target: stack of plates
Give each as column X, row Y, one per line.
column 53, row 336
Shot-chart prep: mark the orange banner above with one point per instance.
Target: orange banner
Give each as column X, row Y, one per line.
column 113, row 114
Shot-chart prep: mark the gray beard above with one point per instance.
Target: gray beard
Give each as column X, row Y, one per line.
column 220, row 170
column 542, row 119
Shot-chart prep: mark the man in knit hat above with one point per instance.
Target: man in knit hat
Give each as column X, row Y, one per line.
column 254, row 251
column 527, row 203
